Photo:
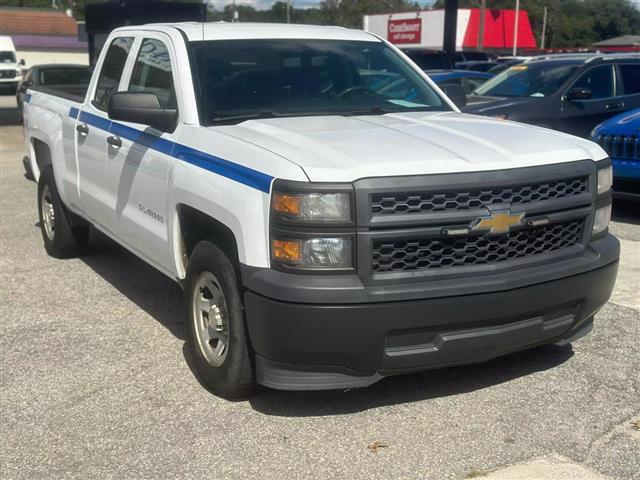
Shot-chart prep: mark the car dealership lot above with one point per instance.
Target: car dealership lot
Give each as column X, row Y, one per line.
column 94, row 382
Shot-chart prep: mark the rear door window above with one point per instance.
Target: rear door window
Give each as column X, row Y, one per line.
column 599, row 80
column 111, row 71
column 630, row 74
column 152, row 72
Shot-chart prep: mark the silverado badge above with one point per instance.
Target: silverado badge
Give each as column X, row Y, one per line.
column 498, row 222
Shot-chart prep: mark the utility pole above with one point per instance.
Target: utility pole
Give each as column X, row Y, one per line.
column 483, row 8
column 288, row 11
column 544, row 29
column 515, row 29
column 235, row 12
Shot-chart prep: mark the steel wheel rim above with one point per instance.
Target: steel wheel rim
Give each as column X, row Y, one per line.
column 210, row 319
column 48, row 213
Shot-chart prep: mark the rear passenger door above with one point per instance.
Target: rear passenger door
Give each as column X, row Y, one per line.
column 580, row 116
column 138, row 169
column 92, row 131
column 629, row 84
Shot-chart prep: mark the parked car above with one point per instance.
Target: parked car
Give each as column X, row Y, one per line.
column 476, row 65
column 570, row 93
column 63, row 78
column 326, row 234
column 469, row 80
column 430, row 60
column 438, row 60
column 471, row 56
column 502, row 66
column 620, row 137
column 10, row 67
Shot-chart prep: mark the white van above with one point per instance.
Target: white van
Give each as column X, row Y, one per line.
column 10, row 68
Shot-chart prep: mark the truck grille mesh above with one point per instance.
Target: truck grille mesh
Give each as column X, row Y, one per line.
column 423, row 202
column 472, row 249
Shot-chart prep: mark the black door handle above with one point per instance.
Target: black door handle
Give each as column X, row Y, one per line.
column 82, row 128
column 613, row 106
column 114, row 141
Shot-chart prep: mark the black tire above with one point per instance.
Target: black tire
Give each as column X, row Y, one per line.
column 234, row 378
column 65, row 240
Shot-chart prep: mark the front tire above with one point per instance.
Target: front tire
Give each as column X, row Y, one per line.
column 61, row 238
column 216, row 333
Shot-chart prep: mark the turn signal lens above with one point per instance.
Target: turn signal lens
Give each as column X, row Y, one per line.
column 286, row 204
column 601, row 219
column 605, row 179
column 287, row 251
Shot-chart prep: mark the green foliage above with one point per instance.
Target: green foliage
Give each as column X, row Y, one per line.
column 570, row 23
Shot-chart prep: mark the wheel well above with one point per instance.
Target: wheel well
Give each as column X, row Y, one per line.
column 196, row 226
column 42, row 153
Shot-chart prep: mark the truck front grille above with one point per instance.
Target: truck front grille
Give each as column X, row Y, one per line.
column 473, row 249
column 620, row 146
column 7, row 74
column 443, row 201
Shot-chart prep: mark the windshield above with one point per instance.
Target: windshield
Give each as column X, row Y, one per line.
column 7, row 57
column 539, row 79
column 65, row 76
column 243, row 79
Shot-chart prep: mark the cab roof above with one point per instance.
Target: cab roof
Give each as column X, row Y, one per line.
column 198, row 31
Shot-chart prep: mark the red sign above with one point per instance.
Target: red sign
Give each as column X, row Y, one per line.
column 405, row 31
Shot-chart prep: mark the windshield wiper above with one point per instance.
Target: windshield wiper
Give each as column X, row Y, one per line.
column 247, row 116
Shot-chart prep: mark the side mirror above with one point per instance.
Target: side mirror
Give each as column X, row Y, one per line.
column 22, row 62
column 457, row 95
column 142, row 108
column 579, row 94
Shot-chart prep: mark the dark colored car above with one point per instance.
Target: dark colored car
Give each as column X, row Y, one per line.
column 63, row 78
column 476, row 65
column 429, row 60
column 502, row 66
column 570, row 93
column 471, row 56
column 620, row 137
column 469, row 80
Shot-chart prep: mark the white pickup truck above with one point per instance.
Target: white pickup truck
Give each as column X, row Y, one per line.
column 330, row 214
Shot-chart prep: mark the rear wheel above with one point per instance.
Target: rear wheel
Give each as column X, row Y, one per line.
column 216, row 331
column 61, row 238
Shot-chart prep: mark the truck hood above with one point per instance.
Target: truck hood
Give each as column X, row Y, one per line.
column 344, row 149
column 478, row 104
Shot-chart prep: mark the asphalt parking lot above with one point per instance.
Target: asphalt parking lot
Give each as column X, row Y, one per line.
column 94, row 383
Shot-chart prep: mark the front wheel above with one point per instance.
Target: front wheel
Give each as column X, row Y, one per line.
column 216, row 332
column 61, row 238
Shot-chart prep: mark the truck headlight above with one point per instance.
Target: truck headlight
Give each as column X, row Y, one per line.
column 323, row 252
column 601, row 219
column 312, row 207
column 605, row 179
column 312, row 226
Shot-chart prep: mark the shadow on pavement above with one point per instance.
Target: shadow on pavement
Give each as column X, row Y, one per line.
column 9, row 114
column 145, row 286
column 411, row 388
column 626, row 211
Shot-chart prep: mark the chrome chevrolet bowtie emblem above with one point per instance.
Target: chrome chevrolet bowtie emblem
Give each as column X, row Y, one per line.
column 498, row 222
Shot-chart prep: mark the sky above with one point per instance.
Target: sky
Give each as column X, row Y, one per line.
column 262, row 4
column 265, row 4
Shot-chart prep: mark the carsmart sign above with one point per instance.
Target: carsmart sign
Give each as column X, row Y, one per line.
column 405, row 31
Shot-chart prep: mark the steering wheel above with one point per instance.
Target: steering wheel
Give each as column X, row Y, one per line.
column 352, row 89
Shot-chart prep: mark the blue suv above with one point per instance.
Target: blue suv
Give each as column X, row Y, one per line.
column 620, row 137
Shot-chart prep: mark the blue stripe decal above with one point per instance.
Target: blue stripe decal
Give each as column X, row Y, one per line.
column 27, row 97
column 220, row 166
